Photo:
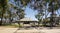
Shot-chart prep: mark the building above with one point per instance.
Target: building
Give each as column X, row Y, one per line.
column 27, row 21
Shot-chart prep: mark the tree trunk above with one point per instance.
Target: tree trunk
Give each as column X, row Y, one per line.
column 51, row 18
column 10, row 19
column 3, row 11
column 1, row 20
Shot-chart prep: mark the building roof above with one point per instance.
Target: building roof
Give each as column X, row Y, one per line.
column 27, row 19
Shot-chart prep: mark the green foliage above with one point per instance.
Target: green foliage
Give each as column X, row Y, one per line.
column 20, row 11
column 55, row 5
column 24, row 2
column 3, row 8
column 15, row 0
column 47, row 0
column 39, row 17
column 4, row 5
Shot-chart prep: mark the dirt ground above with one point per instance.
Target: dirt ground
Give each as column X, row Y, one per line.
column 32, row 30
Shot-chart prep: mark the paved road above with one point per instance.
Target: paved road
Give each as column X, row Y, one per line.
column 15, row 30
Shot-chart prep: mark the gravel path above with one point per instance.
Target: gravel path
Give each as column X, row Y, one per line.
column 15, row 30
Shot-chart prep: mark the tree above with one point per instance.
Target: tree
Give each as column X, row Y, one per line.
column 39, row 17
column 3, row 6
column 39, row 5
column 22, row 2
column 52, row 5
column 20, row 11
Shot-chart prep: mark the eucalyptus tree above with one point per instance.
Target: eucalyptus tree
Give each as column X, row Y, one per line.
column 39, row 5
column 20, row 11
column 39, row 17
column 35, row 4
column 3, row 6
column 23, row 2
column 20, row 4
column 52, row 7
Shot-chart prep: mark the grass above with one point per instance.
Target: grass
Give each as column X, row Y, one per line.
column 10, row 25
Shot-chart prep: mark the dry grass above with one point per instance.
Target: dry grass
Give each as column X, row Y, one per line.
column 10, row 26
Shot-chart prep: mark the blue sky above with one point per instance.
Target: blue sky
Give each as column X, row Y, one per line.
column 30, row 13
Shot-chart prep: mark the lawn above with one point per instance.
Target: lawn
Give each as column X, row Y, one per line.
column 10, row 25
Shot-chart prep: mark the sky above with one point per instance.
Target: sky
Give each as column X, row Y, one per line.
column 30, row 13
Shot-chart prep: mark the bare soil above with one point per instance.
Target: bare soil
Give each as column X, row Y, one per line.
column 32, row 30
